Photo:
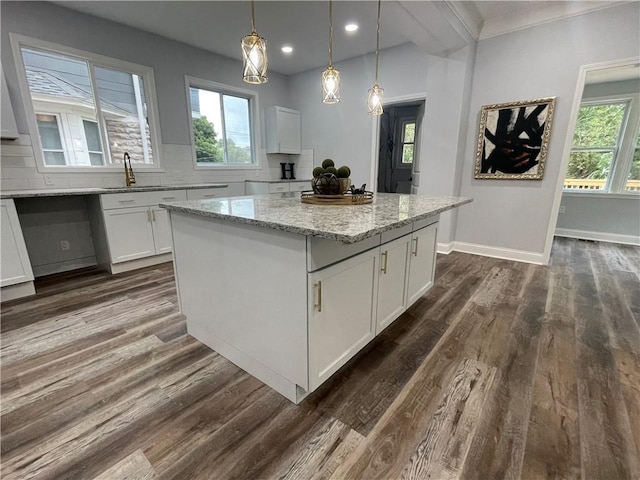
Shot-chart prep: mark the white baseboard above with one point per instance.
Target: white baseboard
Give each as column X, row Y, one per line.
column 445, row 248
column 497, row 252
column 116, row 268
column 75, row 264
column 598, row 236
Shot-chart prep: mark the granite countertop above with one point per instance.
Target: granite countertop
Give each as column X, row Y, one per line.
column 62, row 192
column 282, row 180
column 347, row 224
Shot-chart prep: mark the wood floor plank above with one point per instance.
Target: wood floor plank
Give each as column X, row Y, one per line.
column 448, row 435
column 133, row 467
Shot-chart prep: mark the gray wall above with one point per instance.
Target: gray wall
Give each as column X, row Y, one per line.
column 536, row 62
column 608, row 215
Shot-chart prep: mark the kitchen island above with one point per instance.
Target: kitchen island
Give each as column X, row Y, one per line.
column 290, row 292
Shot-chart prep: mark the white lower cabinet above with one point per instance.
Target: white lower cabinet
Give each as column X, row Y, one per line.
column 341, row 310
column 15, row 266
column 422, row 262
column 129, row 233
column 161, row 230
column 392, row 279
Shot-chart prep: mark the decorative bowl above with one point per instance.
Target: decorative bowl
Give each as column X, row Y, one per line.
column 327, row 184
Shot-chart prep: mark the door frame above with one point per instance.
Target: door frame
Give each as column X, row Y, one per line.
column 571, row 126
column 375, row 134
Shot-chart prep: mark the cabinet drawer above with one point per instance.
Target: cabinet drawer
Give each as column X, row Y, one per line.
column 110, row 201
column 204, row 193
column 322, row 252
column 278, row 187
column 299, row 186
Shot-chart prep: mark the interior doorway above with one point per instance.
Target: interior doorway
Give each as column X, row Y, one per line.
column 399, row 146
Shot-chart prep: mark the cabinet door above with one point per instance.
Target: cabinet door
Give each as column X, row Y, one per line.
column 129, row 233
column 341, row 309
column 161, row 230
column 289, row 131
column 422, row 262
column 392, row 277
column 15, row 266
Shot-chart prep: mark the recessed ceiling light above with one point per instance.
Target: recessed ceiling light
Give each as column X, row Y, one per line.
column 351, row 27
column 287, row 49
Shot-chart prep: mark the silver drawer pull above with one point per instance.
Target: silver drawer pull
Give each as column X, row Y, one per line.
column 126, row 201
column 210, row 195
column 384, row 262
column 168, row 198
column 319, row 304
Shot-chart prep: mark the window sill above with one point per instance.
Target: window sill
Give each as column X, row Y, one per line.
column 627, row 196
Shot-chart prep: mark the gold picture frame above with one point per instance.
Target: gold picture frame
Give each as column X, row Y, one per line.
column 513, row 139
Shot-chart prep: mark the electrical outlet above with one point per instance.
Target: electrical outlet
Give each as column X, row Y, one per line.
column 563, row 209
column 65, row 245
column 48, row 180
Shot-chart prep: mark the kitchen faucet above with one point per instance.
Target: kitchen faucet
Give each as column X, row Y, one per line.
column 129, row 177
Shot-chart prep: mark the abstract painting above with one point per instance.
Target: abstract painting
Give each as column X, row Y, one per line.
column 513, row 139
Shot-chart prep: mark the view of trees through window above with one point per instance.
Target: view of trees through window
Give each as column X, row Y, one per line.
column 597, row 142
column 221, row 128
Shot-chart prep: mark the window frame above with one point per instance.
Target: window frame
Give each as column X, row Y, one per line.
column 623, row 150
column 61, row 135
column 19, row 41
column 254, row 121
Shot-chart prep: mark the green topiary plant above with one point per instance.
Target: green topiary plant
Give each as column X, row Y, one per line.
column 317, row 172
column 344, row 172
column 333, row 170
column 327, row 162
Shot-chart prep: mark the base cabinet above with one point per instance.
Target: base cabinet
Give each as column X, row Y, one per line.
column 341, row 314
column 422, row 262
column 392, row 279
column 129, row 233
column 15, row 266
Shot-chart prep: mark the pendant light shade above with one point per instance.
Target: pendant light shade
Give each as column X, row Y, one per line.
column 331, row 76
column 254, row 55
column 374, row 101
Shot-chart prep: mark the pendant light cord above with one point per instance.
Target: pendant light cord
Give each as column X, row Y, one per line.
column 253, row 19
column 330, row 33
column 377, row 41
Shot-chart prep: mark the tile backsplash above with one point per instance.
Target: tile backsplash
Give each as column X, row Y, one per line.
column 18, row 169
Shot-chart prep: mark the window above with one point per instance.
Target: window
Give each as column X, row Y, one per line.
column 90, row 109
column 408, row 142
column 604, row 154
column 221, row 123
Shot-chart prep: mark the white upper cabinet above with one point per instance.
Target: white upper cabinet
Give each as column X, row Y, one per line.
column 282, row 130
column 8, row 121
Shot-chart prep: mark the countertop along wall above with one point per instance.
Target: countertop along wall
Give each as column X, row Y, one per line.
column 511, row 218
column 170, row 61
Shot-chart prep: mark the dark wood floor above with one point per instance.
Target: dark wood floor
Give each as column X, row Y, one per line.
column 503, row 370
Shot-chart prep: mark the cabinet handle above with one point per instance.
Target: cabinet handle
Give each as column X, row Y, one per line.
column 210, row 195
column 415, row 251
column 319, row 304
column 168, row 198
column 126, row 201
column 384, row 262
column 153, row 215
column 149, row 215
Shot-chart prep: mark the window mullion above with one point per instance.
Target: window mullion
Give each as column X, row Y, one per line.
column 224, row 130
column 99, row 118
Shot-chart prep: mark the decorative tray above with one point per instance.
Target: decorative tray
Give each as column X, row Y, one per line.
column 346, row 198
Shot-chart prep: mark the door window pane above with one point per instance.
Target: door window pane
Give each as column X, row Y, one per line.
column 409, row 132
column 407, row 153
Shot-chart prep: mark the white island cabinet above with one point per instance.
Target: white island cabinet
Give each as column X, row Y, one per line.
column 290, row 292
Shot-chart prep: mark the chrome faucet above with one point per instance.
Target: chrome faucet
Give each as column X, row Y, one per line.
column 129, row 177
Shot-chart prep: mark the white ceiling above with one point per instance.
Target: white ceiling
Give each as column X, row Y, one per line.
column 218, row 26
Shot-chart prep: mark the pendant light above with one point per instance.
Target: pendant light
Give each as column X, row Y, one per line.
column 331, row 76
column 374, row 100
column 254, row 55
